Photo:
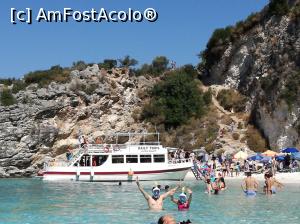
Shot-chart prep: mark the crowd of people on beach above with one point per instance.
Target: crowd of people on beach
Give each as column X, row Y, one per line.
column 213, row 173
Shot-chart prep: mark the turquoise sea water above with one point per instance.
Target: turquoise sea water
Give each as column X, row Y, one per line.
column 35, row 201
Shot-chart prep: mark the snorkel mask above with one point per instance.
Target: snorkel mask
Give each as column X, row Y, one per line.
column 155, row 192
column 182, row 198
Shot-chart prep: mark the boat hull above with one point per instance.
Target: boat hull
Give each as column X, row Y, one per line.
column 93, row 176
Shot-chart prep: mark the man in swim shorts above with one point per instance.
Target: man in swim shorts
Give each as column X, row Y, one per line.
column 183, row 203
column 155, row 202
column 250, row 185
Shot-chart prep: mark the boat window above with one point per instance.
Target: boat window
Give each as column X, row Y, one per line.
column 99, row 160
column 84, row 160
column 159, row 158
column 117, row 159
column 131, row 159
column 145, row 158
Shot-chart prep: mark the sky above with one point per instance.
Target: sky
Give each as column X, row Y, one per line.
column 180, row 33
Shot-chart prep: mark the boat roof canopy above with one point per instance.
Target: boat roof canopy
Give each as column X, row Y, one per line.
column 134, row 137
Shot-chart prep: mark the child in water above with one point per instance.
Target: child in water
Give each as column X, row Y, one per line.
column 183, row 203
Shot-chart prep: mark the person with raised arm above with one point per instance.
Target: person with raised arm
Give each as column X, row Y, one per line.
column 155, row 202
column 183, row 203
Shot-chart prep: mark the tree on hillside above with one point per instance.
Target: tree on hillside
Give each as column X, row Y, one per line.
column 127, row 61
column 278, row 7
column 174, row 101
column 6, row 98
column 79, row 65
column 159, row 64
column 108, row 64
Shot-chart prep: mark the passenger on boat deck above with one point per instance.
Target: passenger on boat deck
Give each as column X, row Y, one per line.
column 183, row 203
column 69, row 153
column 156, row 201
column 81, row 141
column 98, row 141
column 86, row 141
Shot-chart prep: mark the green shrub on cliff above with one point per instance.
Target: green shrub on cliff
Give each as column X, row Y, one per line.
column 108, row 64
column 291, row 90
column 229, row 99
column 6, row 98
column 127, row 61
column 158, row 66
column 255, row 140
column 174, row 100
column 79, row 65
column 17, row 84
column 7, row 82
column 45, row 77
column 216, row 46
column 278, row 7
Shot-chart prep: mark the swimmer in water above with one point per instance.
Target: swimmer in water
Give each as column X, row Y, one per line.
column 166, row 219
column 208, row 184
column 214, row 184
column 221, row 182
column 271, row 184
column 155, row 202
column 183, row 203
column 250, row 185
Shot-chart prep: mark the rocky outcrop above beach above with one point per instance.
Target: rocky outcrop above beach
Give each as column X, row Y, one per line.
column 261, row 59
column 46, row 120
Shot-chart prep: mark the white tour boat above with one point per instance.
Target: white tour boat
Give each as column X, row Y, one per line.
column 120, row 162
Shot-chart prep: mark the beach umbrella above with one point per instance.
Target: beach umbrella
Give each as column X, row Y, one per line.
column 269, row 153
column 280, row 158
column 256, row 157
column 266, row 159
column 296, row 155
column 240, row 155
column 289, row 150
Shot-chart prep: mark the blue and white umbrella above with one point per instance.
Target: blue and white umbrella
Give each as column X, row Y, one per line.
column 266, row 159
column 256, row 157
column 289, row 150
column 296, row 155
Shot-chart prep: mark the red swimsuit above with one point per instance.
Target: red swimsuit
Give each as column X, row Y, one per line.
column 183, row 207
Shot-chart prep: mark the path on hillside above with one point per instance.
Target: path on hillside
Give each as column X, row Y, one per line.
column 225, row 138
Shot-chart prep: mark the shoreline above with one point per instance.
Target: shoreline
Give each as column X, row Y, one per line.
column 285, row 178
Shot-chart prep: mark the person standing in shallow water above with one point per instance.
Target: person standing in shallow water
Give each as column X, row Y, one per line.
column 183, row 203
column 156, row 201
column 250, row 185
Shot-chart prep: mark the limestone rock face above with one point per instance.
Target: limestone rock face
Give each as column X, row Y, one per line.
column 260, row 64
column 45, row 121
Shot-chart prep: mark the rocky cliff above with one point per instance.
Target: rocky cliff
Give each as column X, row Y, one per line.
column 45, row 121
column 260, row 58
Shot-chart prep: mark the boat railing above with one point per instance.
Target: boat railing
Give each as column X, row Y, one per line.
column 175, row 161
column 114, row 147
column 54, row 163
